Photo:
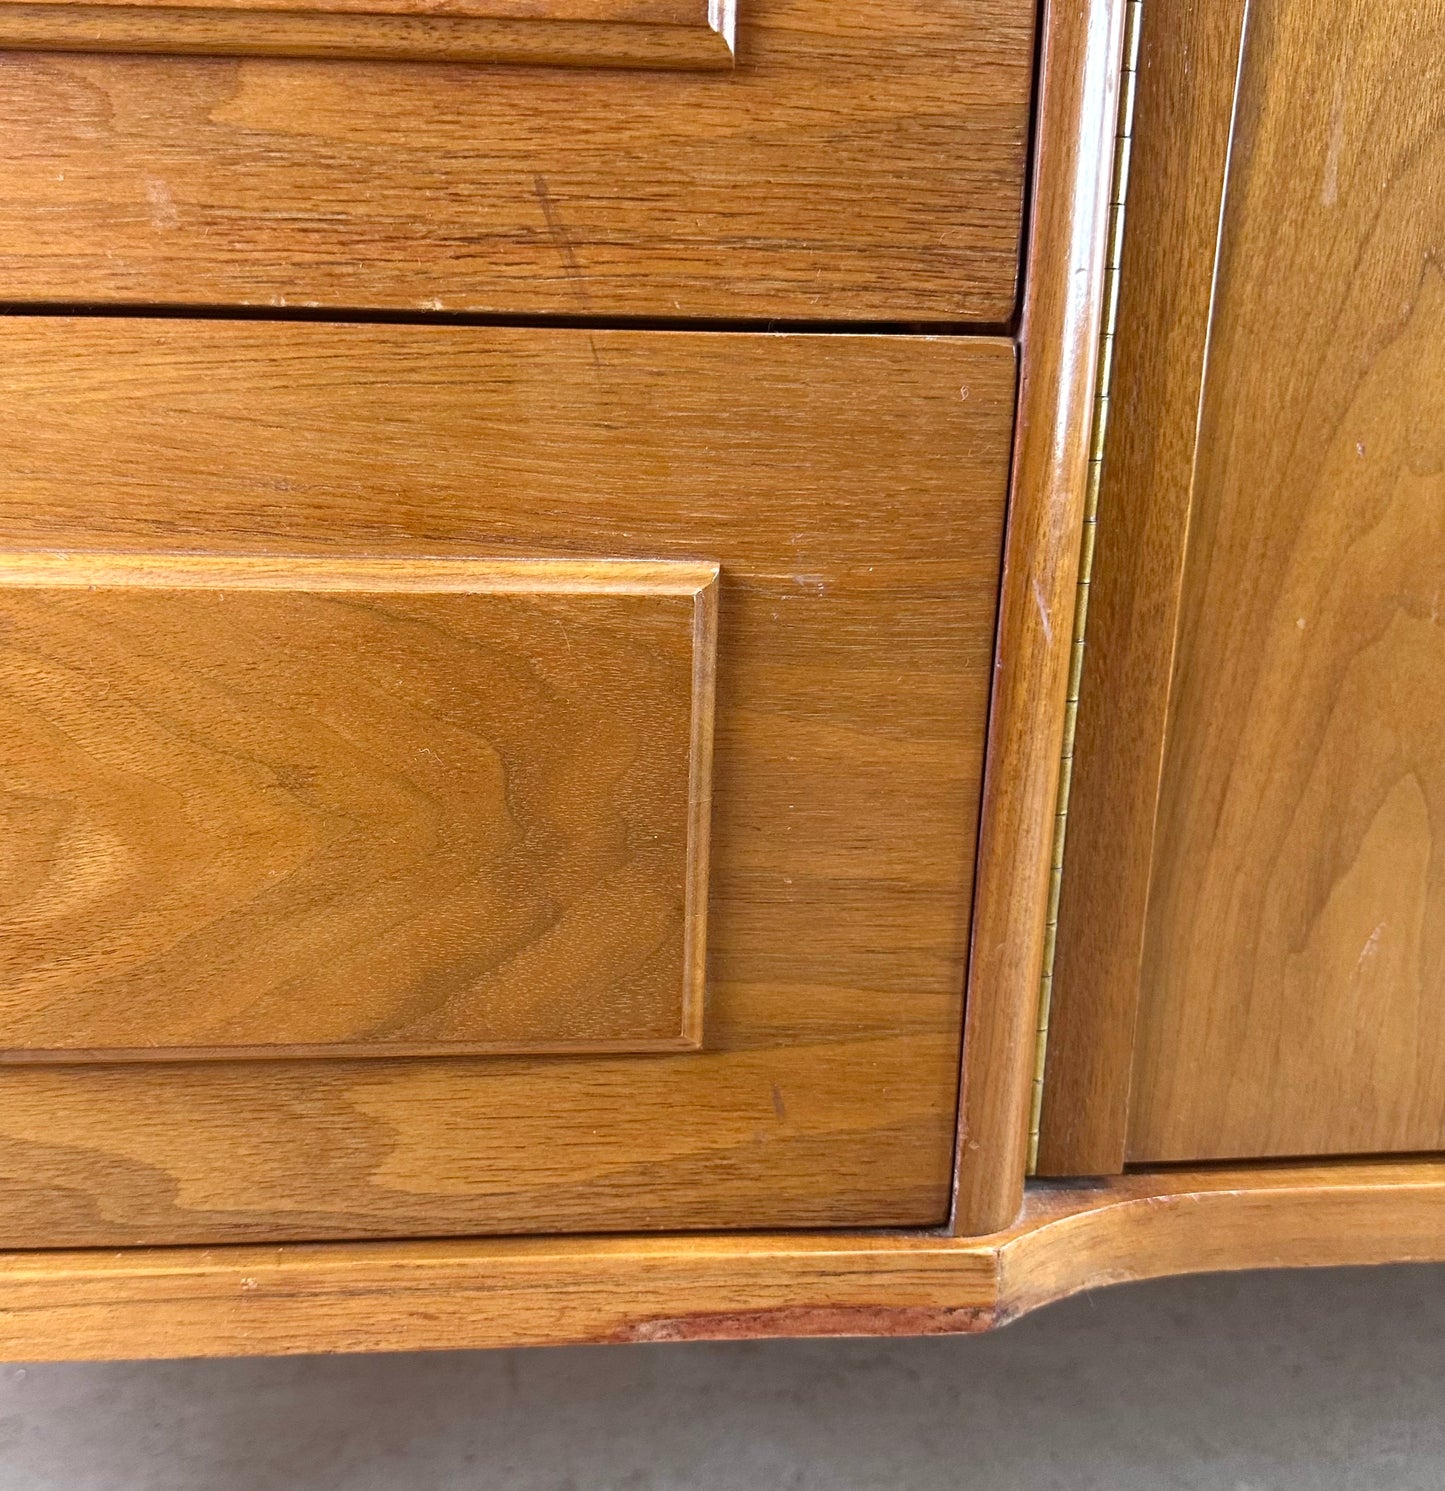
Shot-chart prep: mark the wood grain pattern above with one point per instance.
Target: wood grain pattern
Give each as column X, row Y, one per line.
column 854, row 497
column 1294, row 963
column 1275, row 563
column 1152, row 1225
column 692, row 34
column 1184, row 107
column 1062, row 317
column 182, row 1302
column 302, row 807
column 864, row 162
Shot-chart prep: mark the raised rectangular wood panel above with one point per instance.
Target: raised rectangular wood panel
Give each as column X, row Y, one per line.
column 851, row 488
column 569, row 33
column 863, row 162
column 274, row 808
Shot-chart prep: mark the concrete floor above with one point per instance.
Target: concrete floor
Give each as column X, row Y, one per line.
column 1267, row 1382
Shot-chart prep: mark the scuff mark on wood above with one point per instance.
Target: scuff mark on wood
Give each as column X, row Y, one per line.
column 815, row 1320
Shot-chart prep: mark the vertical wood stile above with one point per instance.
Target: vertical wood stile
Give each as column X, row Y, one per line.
column 1063, row 313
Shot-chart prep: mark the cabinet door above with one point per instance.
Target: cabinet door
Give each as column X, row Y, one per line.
column 1251, row 956
column 463, row 781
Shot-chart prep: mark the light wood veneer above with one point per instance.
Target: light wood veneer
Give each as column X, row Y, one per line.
column 298, row 808
column 851, row 489
column 553, row 1291
column 865, row 162
column 1252, row 935
column 693, row 34
column 1063, row 315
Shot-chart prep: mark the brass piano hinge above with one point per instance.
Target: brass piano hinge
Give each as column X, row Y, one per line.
column 1123, row 142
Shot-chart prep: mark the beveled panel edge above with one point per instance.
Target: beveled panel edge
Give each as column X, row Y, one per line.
column 699, row 820
column 51, row 569
column 338, row 36
column 99, row 1304
column 722, row 16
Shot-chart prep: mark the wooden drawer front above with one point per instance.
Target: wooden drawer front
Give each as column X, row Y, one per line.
column 399, row 774
column 287, row 807
column 864, row 161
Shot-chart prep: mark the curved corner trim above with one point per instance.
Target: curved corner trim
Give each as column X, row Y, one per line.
column 336, row 1297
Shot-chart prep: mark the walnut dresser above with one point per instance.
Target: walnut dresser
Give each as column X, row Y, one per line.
column 676, row 670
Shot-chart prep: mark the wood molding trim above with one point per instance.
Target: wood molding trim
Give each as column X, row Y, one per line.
column 1063, row 315
column 1158, row 1224
column 690, row 35
column 178, row 1302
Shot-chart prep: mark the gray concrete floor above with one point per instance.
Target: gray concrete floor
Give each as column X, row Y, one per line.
column 1290, row 1381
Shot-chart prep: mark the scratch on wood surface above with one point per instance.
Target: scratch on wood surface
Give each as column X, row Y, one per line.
column 1043, row 606
column 561, row 238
